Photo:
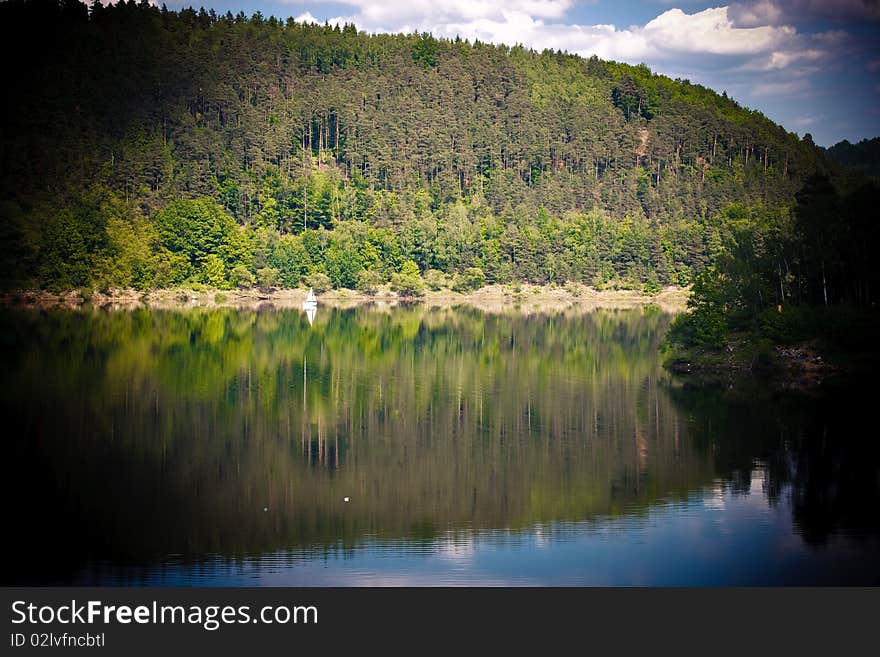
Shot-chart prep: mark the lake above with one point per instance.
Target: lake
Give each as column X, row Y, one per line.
column 416, row 446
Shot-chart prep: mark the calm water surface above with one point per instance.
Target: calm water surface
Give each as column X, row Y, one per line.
column 217, row 447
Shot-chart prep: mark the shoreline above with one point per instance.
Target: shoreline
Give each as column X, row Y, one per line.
column 491, row 298
column 806, row 366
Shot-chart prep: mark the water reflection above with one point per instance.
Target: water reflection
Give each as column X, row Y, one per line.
column 218, row 446
column 818, row 451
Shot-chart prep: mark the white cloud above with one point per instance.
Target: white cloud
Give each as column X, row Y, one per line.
column 307, row 18
column 806, row 121
column 711, row 31
column 753, row 14
column 777, row 60
column 749, row 13
column 787, row 88
column 107, row 3
column 519, row 27
column 390, row 15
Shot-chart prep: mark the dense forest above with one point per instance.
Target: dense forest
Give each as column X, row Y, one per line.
column 807, row 276
column 142, row 147
column 863, row 156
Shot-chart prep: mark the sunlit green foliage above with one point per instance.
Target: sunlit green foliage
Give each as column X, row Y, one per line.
column 268, row 277
column 291, row 259
column 408, row 282
column 706, row 323
column 471, row 278
column 319, row 281
column 435, row 280
column 368, row 282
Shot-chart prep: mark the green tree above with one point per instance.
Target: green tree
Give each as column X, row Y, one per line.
column 470, row 279
column 241, row 277
column 268, row 278
column 408, row 282
column 435, row 280
column 203, row 232
column 705, row 324
column 368, row 282
column 214, row 272
column 291, row 259
column 319, row 281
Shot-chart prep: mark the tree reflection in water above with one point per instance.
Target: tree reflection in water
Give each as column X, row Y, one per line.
column 140, row 435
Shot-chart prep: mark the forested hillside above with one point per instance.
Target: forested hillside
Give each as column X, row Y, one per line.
column 141, row 147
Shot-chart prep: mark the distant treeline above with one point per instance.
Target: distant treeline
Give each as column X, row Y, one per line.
column 863, row 156
column 141, row 147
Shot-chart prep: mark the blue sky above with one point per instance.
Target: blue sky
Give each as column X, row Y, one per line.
column 811, row 65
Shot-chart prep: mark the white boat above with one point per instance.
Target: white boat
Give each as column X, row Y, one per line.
column 311, row 303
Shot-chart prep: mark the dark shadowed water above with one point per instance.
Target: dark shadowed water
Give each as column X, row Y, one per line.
column 218, row 447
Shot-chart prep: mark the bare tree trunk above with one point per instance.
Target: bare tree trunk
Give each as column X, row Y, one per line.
column 824, row 286
column 781, row 288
